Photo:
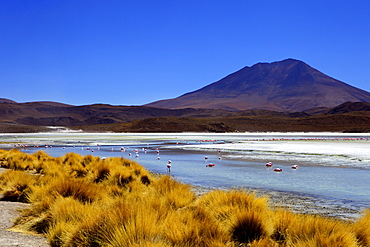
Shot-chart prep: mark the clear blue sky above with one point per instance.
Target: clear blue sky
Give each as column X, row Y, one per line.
column 132, row 52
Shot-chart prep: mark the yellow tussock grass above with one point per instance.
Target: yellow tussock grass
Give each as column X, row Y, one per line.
column 312, row 230
column 362, row 228
column 16, row 185
column 87, row 201
column 176, row 194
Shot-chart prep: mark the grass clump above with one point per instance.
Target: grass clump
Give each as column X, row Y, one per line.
column 362, row 229
column 15, row 186
column 88, row 201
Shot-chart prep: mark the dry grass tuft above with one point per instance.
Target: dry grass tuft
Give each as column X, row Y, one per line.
column 362, row 229
column 312, row 230
column 248, row 226
column 177, row 195
column 79, row 190
column 16, row 186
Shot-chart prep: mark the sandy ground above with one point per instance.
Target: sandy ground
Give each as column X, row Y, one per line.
column 8, row 212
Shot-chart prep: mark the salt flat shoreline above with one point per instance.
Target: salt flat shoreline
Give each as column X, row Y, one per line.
column 302, row 204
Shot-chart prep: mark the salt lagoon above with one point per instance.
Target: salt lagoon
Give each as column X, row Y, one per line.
column 334, row 168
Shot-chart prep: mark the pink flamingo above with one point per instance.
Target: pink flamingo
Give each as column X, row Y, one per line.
column 169, row 165
column 269, row 164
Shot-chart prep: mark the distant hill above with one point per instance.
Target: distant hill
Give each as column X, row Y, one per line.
column 8, row 101
column 286, row 86
column 57, row 114
column 349, row 107
column 36, row 116
column 348, row 117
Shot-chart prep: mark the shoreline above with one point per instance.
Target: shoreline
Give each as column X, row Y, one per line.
column 297, row 203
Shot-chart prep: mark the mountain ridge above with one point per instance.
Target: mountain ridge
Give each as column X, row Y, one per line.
column 286, row 86
column 36, row 117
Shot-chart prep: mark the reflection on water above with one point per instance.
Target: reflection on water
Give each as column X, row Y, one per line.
column 334, row 167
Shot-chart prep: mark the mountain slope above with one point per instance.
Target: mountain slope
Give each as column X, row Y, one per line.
column 31, row 117
column 57, row 114
column 288, row 85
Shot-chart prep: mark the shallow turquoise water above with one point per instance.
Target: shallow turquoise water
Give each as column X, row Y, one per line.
column 343, row 184
column 334, row 167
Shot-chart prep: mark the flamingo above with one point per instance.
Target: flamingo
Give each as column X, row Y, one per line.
column 294, row 166
column 269, row 164
column 169, row 165
column 278, row 170
column 210, row 165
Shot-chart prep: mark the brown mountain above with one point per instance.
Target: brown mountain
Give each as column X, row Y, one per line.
column 286, row 86
column 57, row 114
column 349, row 107
column 2, row 100
column 35, row 116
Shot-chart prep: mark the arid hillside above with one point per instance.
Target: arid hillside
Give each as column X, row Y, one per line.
column 348, row 122
column 285, row 86
column 38, row 116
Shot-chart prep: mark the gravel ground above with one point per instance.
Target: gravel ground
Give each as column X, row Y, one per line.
column 311, row 205
column 8, row 212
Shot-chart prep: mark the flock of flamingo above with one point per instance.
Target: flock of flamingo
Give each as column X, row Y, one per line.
column 169, row 162
column 277, row 169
